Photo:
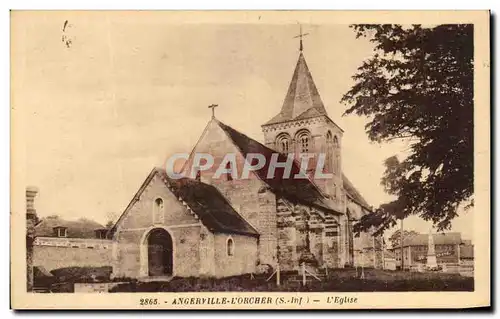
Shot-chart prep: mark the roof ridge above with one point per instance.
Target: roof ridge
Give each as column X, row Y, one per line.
column 323, row 199
column 209, row 218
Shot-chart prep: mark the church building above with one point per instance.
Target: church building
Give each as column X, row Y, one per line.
column 200, row 225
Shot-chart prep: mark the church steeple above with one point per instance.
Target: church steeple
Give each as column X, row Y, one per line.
column 303, row 127
column 302, row 99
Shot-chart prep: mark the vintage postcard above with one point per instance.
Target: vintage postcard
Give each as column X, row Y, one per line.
column 250, row 160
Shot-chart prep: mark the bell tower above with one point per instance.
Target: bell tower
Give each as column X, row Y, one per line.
column 303, row 127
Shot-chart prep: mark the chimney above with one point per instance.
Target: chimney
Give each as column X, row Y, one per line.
column 30, row 234
column 31, row 192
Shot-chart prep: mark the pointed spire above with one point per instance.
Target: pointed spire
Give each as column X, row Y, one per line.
column 302, row 99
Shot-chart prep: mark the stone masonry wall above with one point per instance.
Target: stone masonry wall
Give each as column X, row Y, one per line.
column 243, row 260
column 318, row 127
column 331, row 249
column 132, row 262
column 287, row 236
column 52, row 257
column 181, row 224
column 249, row 197
column 254, row 202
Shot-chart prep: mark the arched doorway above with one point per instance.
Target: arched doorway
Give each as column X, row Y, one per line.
column 160, row 253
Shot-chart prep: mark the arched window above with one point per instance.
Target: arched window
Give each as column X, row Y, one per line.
column 329, row 137
column 336, row 155
column 229, row 171
column 283, row 142
column 158, row 216
column 330, row 165
column 230, row 246
column 303, row 138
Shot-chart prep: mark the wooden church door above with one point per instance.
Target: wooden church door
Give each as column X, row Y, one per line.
column 160, row 253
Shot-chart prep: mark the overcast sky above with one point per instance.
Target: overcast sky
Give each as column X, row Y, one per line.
column 130, row 90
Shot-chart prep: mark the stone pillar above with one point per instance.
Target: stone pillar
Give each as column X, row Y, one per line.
column 316, row 229
column 287, row 250
column 431, row 253
column 266, row 224
column 31, row 220
column 332, row 242
column 303, row 226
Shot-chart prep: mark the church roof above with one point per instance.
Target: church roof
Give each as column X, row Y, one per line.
column 204, row 200
column 354, row 193
column 302, row 100
column 297, row 190
column 302, row 190
column 209, row 205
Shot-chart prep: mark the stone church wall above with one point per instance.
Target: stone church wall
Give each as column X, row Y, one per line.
column 141, row 213
column 332, row 237
column 207, row 252
column 181, row 224
column 243, row 261
column 368, row 249
column 318, row 128
column 186, row 252
column 254, row 202
column 316, row 236
column 249, row 197
column 324, row 236
column 287, row 236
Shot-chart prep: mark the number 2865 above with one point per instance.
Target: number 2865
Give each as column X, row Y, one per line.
column 148, row 301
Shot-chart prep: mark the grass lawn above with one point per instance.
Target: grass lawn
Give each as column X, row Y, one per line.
column 341, row 280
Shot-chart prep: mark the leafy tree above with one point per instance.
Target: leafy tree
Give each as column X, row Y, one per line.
column 395, row 238
column 111, row 217
column 418, row 86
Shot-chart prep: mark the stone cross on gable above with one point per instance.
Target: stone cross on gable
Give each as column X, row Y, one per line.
column 213, row 106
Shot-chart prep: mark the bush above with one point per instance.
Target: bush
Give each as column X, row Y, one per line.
column 341, row 280
column 83, row 274
column 63, row 287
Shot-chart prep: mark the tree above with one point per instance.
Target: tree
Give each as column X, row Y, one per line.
column 395, row 238
column 418, row 86
column 111, row 217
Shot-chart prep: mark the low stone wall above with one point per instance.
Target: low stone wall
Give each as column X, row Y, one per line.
column 52, row 257
column 102, row 287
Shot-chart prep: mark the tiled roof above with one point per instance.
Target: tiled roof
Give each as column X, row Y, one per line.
column 204, row 200
column 80, row 228
column 295, row 190
column 302, row 99
column 439, row 239
column 354, row 193
column 209, row 205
